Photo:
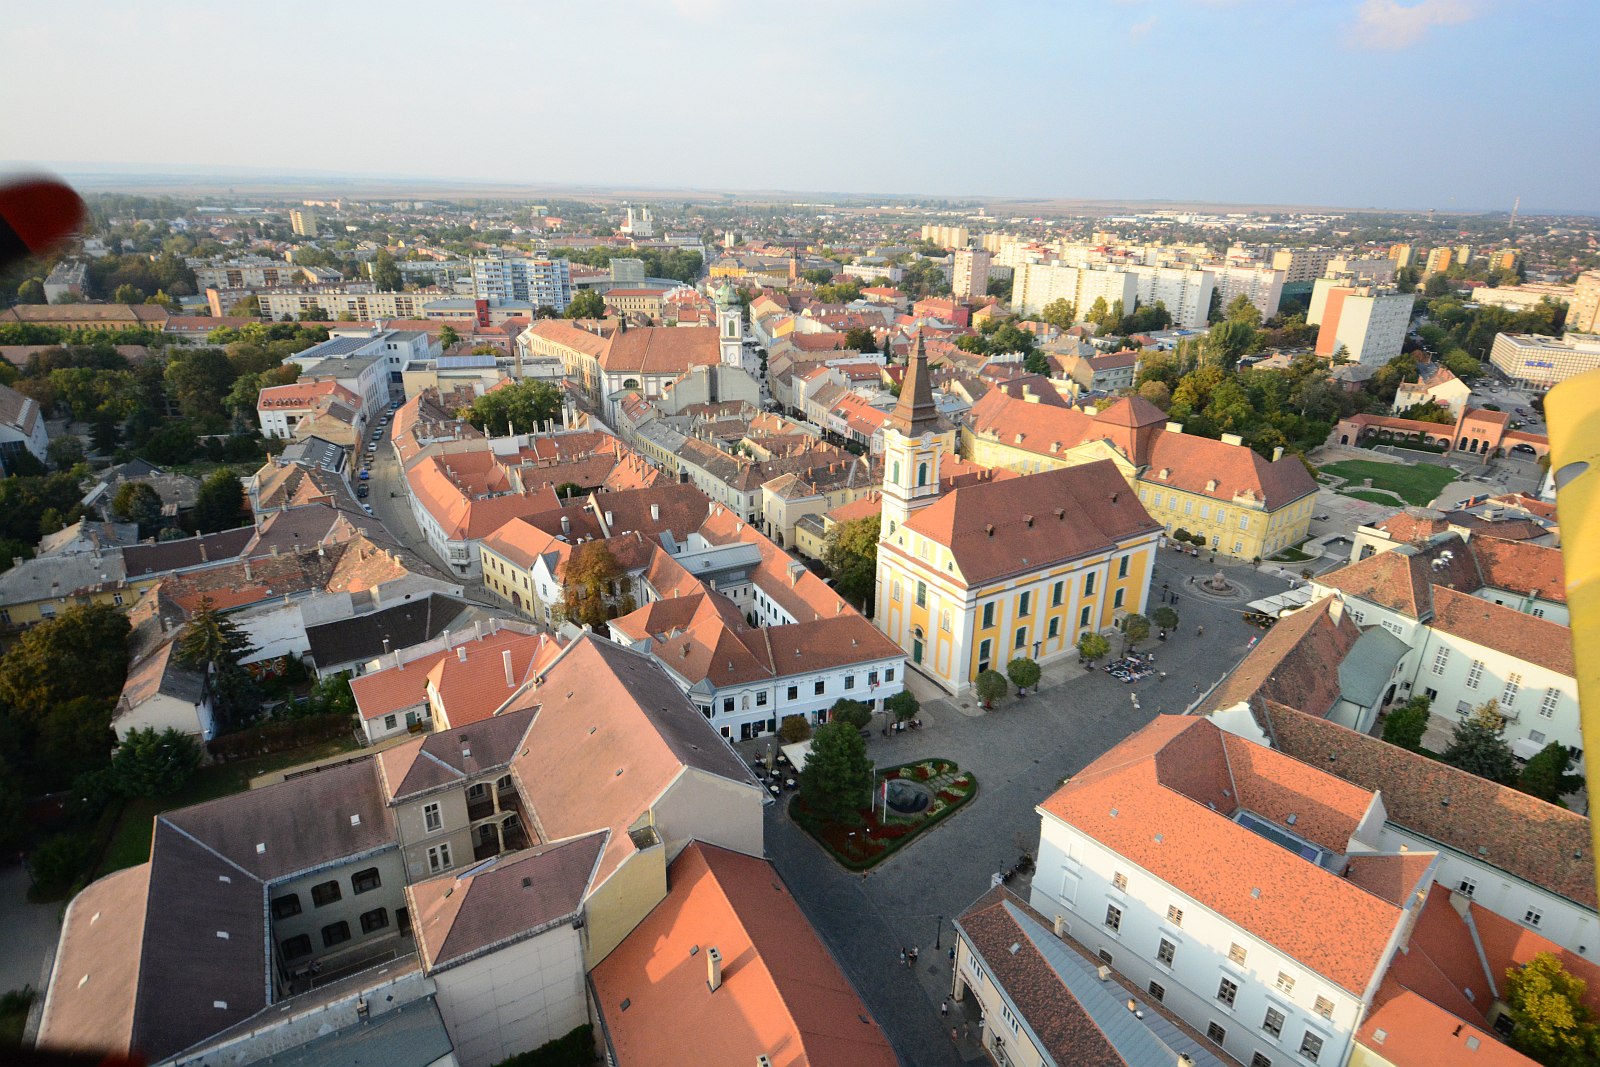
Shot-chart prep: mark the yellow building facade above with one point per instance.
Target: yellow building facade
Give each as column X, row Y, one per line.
column 972, row 578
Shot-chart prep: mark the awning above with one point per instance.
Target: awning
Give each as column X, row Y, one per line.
column 1281, row 604
column 1525, row 748
column 797, row 753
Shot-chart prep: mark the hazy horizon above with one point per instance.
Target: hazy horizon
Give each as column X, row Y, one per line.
column 1450, row 105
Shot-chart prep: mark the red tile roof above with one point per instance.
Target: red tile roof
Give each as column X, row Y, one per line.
column 1504, row 629
column 1143, row 802
column 1296, row 662
column 782, row 994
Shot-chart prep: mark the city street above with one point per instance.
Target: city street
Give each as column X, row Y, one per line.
column 1020, row 752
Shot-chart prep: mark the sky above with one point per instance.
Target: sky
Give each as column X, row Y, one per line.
column 1412, row 104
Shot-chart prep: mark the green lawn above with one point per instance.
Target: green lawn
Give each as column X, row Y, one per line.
column 1417, row 483
column 1373, row 496
column 130, row 841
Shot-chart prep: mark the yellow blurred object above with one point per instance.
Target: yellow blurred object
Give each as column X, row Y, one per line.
column 1573, row 411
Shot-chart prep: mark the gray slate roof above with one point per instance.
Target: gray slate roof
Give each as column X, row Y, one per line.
column 367, row 637
column 1369, row 666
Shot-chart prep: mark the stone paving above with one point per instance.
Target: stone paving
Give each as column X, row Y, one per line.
column 1019, row 752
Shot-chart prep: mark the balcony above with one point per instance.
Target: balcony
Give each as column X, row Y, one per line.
column 492, row 838
column 493, row 802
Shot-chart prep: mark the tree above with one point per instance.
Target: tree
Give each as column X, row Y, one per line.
column 1406, row 724
column 1240, row 309
column 590, row 573
column 586, row 305
column 1164, row 618
column 386, row 276
column 211, row 640
column 138, row 502
column 1060, row 313
column 1098, row 312
column 860, row 339
column 817, row 276
column 199, row 381
column 852, row 556
column 903, row 705
column 83, row 652
column 836, row 782
column 31, row 291
column 1024, row 674
column 1135, row 628
column 65, row 452
column 148, row 764
column 1157, row 393
column 1093, row 646
column 524, row 406
column 1477, row 746
column 448, row 336
column 991, row 686
column 1227, row 341
column 1553, row 1024
column 794, row 729
column 850, row 711
column 127, row 294
column 1545, row 775
column 220, row 504
column 248, row 308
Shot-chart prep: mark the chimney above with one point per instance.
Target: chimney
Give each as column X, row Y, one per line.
column 1277, row 453
column 461, row 653
column 608, row 519
column 1061, row 926
column 566, row 525
column 713, row 969
column 477, row 630
column 511, row 679
column 247, row 575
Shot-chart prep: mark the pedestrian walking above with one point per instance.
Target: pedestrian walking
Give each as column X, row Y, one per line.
column 1200, row 631
column 952, row 955
column 913, row 954
column 944, row 1008
column 1191, row 579
column 902, row 956
column 954, row 1036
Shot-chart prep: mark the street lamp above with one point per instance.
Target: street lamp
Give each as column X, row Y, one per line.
column 938, row 931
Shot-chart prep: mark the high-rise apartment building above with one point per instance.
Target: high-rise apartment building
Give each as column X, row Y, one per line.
column 1378, row 270
column 1583, row 314
column 971, row 273
column 946, row 236
column 1036, row 284
column 1441, row 258
column 1302, row 264
column 303, row 221
column 627, row 272
column 1368, row 322
column 1403, row 255
column 540, row 282
column 1185, row 291
column 1262, row 286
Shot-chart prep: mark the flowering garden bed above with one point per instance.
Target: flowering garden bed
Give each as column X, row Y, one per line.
column 875, row 836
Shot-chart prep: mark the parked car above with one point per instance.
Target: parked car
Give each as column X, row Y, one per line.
column 366, row 472
column 361, row 492
column 367, row 508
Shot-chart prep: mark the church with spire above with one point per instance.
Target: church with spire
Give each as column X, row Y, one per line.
column 973, row 577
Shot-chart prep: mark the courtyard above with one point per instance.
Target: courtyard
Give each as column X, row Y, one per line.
column 1020, row 752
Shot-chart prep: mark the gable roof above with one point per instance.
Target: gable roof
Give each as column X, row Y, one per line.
column 366, row 637
column 1522, row 835
column 1483, row 622
column 507, row 899
column 782, row 993
column 1165, row 799
column 447, row 757
column 1019, row 525
column 1296, row 660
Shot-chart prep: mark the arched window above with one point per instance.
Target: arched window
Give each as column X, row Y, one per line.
column 922, row 474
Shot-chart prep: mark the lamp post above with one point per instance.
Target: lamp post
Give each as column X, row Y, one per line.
column 938, row 931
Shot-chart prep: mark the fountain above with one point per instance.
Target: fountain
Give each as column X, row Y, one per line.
column 907, row 798
column 1217, row 585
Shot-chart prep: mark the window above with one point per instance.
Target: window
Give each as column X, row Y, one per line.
column 1323, row 1007
column 1236, row 953
column 1113, row 917
column 984, row 647
column 1226, row 991
column 1165, row 953
column 1055, row 628
column 1024, row 605
column 326, row 893
column 1440, row 658
column 1216, row 1033
column 1311, row 1046
column 988, row 615
column 366, row 881
column 1021, row 638
column 1011, row 1020
column 1122, row 567
column 1508, row 696
column 1474, row 674
column 432, row 818
column 1105, row 957
column 389, row 722
column 1536, row 737
column 1467, row 886
column 977, row 971
column 888, row 674
column 1533, row 916
column 335, row 934
column 1088, row 585
column 1188, row 507
column 376, row 919
column 1158, row 992
column 1119, row 880
column 727, row 705
column 1116, row 601
column 896, row 590
column 1285, row 983
column 296, row 946
column 793, row 693
column 1174, row 915
column 1083, row 618
column 922, row 594
column 1222, row 514
column 285, row 906
column 1244, row 522
column 1547, row 706
column 849, row 681
column 818, row 687
column 1273, row 1023
column 1258, row 1060
column 1055, row 594
column 439, row 859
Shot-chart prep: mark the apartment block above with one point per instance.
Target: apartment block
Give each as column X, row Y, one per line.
column 541, row 282
column 1369, row 322
column 946, row 236
column 971, row 273
column 1262, row 286
column 303, row 221
column 1302, row 264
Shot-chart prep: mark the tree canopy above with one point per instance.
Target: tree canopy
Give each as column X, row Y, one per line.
column 586, row 305
column 138, row 502
column 1024, row 673
column 1546, row 775
column 220, row 504
column 850, row 711
column 991, row 686
column 1406, row 724
column 836, row 781
column 148, row 764
column 1135, row 628
column 1093, row 646
column 1477, row 745
column 590, row 576
column 852, row 557
column 524, row 407
column 1552, row 1024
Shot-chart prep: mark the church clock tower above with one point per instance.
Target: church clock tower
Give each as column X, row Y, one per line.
column 915, row 437
column 730, row 326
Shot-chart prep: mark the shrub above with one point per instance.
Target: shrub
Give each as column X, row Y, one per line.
column 794, row 729
column 148, row 764
column 279, row 736
column 573, row 1049
column 57, row 864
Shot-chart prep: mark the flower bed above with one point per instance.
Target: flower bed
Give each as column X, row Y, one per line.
column 875, row 836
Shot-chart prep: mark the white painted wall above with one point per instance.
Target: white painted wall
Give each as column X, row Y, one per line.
column 514, row 999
